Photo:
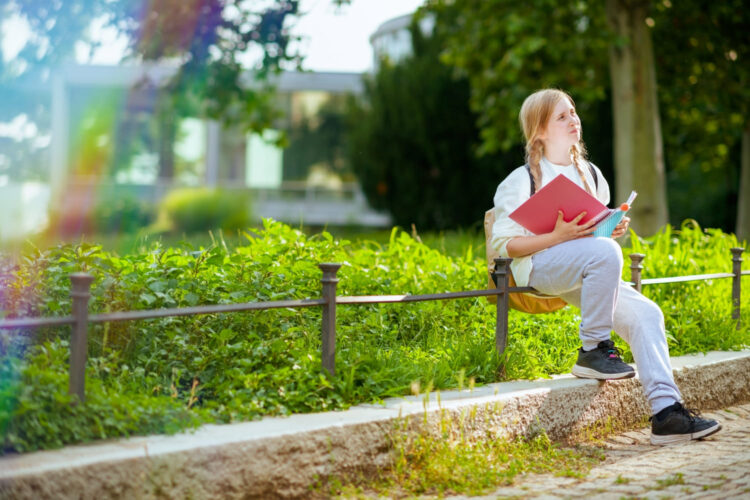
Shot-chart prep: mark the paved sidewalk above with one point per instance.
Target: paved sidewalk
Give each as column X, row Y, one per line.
column 715, row 468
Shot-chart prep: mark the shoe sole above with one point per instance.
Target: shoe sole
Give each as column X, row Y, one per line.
column 583, row 372
column 671, row 439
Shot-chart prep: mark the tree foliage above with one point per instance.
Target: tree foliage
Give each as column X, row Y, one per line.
column 226, row 54
column 702, row 55
column 319, row 141
column 700, row 52
column 414, row 141
column 507, row 52
column 213, row 42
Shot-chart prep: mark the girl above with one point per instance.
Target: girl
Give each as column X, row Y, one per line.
column 585, row 271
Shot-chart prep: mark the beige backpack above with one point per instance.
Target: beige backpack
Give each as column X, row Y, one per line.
column 520, row 301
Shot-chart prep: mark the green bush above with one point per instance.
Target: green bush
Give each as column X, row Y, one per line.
column 165, row 374
column 121, row 212
column 202, row 209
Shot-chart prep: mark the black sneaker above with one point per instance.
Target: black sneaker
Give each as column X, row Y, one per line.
column 677, row 424
column 602, row 363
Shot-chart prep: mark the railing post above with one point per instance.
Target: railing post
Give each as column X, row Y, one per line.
column 328, row 346
column 80, row 292
column 502, row 277
column 635, row 270
column 736, row 282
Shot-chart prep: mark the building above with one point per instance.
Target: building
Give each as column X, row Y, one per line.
column 99, row 115
column 392, row 40
column 97, row 112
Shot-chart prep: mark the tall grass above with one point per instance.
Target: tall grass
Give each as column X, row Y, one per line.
column 698, row 313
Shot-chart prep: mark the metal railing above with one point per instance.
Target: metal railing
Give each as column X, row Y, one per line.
column 736, row 274
column 81, row 293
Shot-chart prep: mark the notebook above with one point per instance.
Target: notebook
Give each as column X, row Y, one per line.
column 607, row 225
column 538, row 214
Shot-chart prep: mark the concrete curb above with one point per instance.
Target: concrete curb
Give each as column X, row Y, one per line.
column 284, row 457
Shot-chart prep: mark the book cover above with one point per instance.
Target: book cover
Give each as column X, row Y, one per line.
column 538, row 214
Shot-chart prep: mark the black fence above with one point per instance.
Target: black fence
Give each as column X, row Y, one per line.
column 81, row 293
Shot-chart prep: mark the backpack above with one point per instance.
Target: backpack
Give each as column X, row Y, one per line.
column 526, row 302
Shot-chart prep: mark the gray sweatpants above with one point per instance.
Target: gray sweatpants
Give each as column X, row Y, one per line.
column 586, row 273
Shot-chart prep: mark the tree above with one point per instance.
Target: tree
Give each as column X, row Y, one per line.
column 743, row 203
column 508, row 51
column 414, row 139
column 703, row 49
column 55, row 29
column 639, row 151
column 213, row 42
column 210, row 39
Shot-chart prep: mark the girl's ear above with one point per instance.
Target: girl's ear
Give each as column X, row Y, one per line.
column 542, row 136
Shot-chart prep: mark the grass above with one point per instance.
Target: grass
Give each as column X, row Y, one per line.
column 602, row 428
column 453, row 243
column 677, row 478
column 128, row 243
column 440, row 459
column 235, row 367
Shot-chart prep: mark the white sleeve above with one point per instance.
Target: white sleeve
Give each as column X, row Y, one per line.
column 510, row 194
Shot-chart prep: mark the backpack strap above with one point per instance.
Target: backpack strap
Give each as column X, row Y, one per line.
column 593, row 174
column 591, row 169
column 531, row 180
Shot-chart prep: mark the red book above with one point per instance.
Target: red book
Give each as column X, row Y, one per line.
column 538, row 214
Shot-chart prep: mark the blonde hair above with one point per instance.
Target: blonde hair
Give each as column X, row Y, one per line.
column 535, row 113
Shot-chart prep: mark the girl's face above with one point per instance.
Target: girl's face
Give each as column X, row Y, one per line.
column 563, row 129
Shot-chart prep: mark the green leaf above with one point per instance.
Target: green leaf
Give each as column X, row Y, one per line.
column 147, row 298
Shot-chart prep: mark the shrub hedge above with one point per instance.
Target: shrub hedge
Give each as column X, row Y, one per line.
column 167, row 374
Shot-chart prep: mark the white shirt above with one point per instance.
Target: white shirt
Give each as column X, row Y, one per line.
column 514, row 190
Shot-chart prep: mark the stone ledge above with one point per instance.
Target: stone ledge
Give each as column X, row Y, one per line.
column 283, row 457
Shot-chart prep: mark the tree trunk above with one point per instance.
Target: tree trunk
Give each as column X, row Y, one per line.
column 639, row 157
column 743, row 197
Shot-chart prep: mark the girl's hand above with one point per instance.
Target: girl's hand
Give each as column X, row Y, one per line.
column 621, row 228
column 565, row 231
column 520, row 246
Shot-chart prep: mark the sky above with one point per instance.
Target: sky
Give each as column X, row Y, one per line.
column 335, row 38
column 339, row 38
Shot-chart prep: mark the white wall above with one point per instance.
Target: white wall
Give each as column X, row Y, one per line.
column 23, row 209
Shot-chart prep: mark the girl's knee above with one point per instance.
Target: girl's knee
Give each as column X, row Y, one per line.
column 606, row 251
column 609, row 247
column 654, row 312
column 639, row 317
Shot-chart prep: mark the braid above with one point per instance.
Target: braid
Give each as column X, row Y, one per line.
column 534, row 153
column 577, row 160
